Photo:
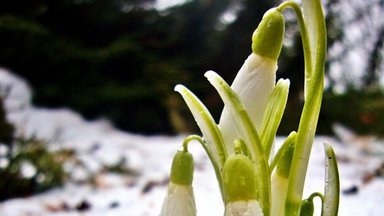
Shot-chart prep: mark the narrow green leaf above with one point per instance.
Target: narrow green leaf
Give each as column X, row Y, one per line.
column 314, row 80
column 286, row 145
column 214, row 146
column 206, row 123
column 273, row 114
column 280, row 178
column 332, row 183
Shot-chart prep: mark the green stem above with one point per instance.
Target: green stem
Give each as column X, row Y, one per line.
column 321, row 196
column 315, row 22
column 304, row 37
column 216, row 168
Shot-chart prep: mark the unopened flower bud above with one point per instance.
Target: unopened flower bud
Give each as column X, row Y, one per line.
column 267, row 39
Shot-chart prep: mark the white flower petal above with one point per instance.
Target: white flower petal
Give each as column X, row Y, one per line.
column 279, row 187
column 179, row 201
column 254, row 83
column 243, row 208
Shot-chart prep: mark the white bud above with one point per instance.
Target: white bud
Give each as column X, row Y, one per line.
column 254, row 83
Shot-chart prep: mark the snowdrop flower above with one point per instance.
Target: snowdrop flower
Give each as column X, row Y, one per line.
column 180, row 199
column 246, row 103
column 240, row 187
column 254, row 181
column 257, row 77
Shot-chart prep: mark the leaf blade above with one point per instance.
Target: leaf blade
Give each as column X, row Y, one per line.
column 332, row 183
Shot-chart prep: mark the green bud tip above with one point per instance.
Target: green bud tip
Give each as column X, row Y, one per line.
column 267, row 39
column 307, row 207
column 239, row 179
column 182, row 168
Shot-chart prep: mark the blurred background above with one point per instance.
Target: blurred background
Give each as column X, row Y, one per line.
column 120, row 60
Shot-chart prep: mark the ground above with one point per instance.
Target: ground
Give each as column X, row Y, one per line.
column 93, row 190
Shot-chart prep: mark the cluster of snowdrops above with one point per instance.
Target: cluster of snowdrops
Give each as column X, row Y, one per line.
column 254, row 179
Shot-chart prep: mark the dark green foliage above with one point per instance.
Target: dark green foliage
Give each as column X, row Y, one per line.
column 118, row 58
column 103, row 58
column 361, row 111
column 48, row 170
column 46, row 167
column 6, row 129
column 120, row 168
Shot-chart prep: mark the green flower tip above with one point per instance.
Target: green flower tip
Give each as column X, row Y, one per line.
column 239, row 179
column 182, row 168
column 307, row 207
column 267, row 39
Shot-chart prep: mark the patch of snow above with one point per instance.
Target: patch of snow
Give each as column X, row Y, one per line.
column 164, row 4
column 97, row 144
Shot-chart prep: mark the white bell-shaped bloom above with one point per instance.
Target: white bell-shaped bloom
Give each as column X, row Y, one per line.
column 179, row 201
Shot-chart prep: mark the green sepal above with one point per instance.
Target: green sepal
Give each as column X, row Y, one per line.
column 239, row 179
column 182, row 168
column 267, row 39
column 307, row 207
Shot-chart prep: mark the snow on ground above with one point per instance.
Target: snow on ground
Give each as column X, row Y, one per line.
column 98, row 143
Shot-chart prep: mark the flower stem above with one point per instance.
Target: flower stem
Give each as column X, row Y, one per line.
column 304, row 38
column 216, row 168
column 315, row 25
